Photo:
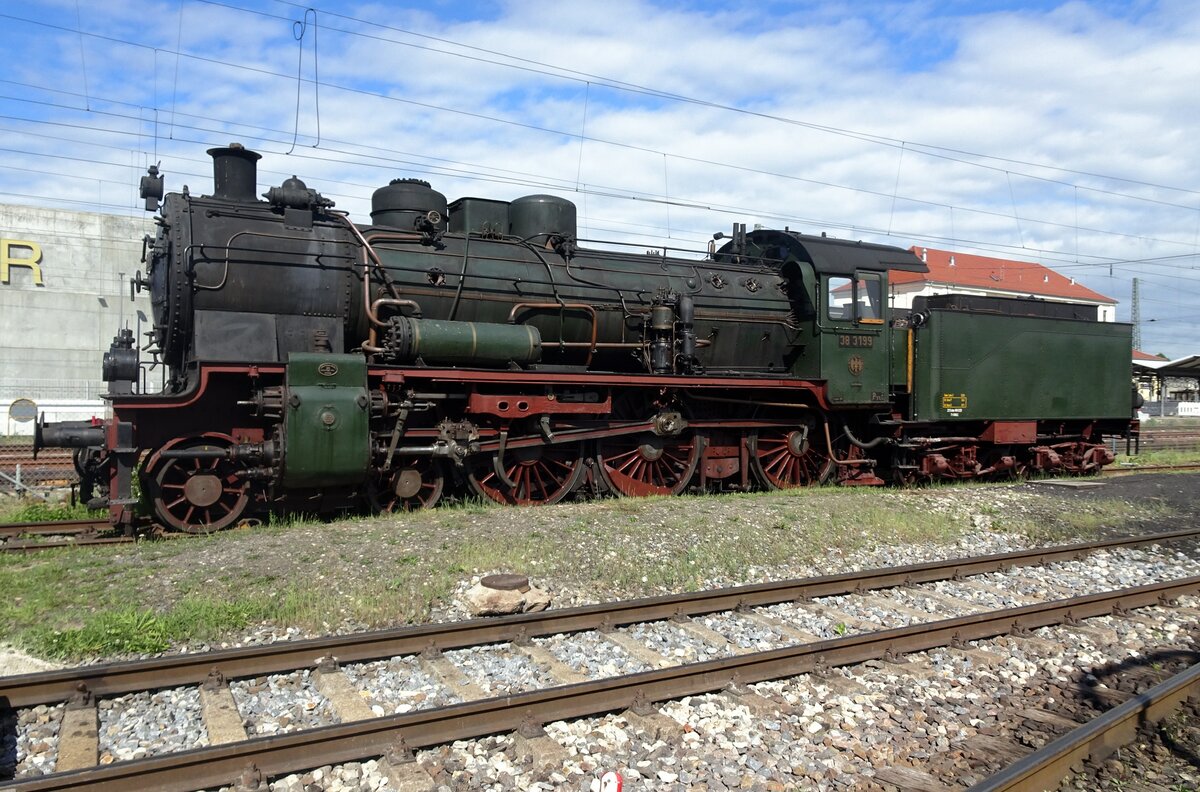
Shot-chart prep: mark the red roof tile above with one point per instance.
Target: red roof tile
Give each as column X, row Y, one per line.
column 1140, row 355
column 984, row 272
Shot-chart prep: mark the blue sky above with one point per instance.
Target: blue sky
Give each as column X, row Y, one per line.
column 1056, row 132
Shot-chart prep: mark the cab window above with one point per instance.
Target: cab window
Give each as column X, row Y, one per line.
column 868, row 297
column 857, row 299
column 839, row 298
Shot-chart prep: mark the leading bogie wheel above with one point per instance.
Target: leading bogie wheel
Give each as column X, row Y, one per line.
column 412, row 483
column 197, row 495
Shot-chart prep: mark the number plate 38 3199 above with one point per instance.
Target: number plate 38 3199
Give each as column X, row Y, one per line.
column 857, row 341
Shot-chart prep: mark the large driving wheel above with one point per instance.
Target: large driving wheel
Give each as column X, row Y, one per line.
column 535, row 475
column 785, row 458
column 196, row 495
column 646, row 463
column 412, row 483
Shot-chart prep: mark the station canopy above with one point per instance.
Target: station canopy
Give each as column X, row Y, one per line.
column 1181, row 367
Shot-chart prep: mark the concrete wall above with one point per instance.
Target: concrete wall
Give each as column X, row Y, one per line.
column 52, row 410
column 53, row 334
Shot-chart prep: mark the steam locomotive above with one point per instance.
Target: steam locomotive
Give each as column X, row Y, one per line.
column 313, row 364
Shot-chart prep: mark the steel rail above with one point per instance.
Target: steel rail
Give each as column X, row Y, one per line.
column 55, row 527
column 1095, row 740
column 1148, row 468
column 84, row 540
column 282, row 754
column 105, row 680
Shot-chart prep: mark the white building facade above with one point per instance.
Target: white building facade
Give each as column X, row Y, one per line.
column 64, row 294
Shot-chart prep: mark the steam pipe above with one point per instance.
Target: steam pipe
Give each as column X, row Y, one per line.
column 867, row 445
column 562, row 306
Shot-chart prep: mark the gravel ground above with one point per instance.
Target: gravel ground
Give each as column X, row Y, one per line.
column 591, row 655
column 353, row 575
column 823, row 738
column 398, row 685
column 281, row 703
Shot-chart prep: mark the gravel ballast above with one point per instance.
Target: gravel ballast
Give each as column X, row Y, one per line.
column 829, row 733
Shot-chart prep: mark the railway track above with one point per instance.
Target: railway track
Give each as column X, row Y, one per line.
column 1097, row 739
column 847, row 640
column 1114, row 470
column 32, row 536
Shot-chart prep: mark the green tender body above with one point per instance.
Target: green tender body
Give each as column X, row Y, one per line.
column 979, row 366
column 325, row 423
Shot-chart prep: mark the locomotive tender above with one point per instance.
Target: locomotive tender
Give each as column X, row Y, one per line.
column 312, row 364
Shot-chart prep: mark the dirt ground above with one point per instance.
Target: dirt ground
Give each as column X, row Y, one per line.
column 1178, row 492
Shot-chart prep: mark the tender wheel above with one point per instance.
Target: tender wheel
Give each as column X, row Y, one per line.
column 648, row 464
column 196, row 495
column 413, row 483
column 787, row 458
column 538, row 474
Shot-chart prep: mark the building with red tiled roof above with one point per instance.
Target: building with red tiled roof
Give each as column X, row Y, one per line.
column 964, row 273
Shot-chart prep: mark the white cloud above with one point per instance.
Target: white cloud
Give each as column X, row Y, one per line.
column 1084, row 86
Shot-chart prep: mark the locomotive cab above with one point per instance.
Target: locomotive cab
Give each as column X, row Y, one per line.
column 837, row 292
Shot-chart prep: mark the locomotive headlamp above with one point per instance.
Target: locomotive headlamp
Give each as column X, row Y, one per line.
column 151, row 188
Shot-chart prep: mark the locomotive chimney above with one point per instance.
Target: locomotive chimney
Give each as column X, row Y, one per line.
column 235, row 174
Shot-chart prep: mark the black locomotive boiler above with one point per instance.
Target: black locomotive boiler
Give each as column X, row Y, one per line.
column 314, row 364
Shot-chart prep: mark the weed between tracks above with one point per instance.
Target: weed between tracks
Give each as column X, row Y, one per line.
column 16, row 510
column 1165, row 456
column 80, row 603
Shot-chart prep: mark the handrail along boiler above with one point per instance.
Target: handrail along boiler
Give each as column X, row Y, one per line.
column 313, row 364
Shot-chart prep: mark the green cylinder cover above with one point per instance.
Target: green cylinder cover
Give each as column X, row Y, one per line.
column 475, row 343
column 327, row 442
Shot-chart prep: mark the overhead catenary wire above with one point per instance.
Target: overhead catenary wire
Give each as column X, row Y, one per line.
column 916, row 237
column 613, row 192
column 541, row 67
column 567, row 133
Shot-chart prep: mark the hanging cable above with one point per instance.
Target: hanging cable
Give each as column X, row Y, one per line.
column 298, row 31
column 175, row 87
column 896, row 190
column 87, row 102
column 1013, row 197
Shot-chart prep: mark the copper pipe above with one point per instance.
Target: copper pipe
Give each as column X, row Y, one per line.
column 598, row 344
column 416, row 309
column 372, row 337
column 834, row 459
column 395, row 236
column 369, row 255
column 562, row 306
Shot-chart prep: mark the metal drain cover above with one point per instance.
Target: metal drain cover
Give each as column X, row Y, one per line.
column 506, row 582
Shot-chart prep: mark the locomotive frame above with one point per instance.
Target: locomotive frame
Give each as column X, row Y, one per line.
column 316, row 365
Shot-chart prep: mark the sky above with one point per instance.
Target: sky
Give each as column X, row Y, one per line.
column 1058, row 132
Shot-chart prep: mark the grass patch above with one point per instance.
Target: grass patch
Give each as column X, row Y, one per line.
column 133, row 631
column 1166, row 456
column 22, row 511
column 80, row 603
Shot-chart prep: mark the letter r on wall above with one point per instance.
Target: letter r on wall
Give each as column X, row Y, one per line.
column 32, row 261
